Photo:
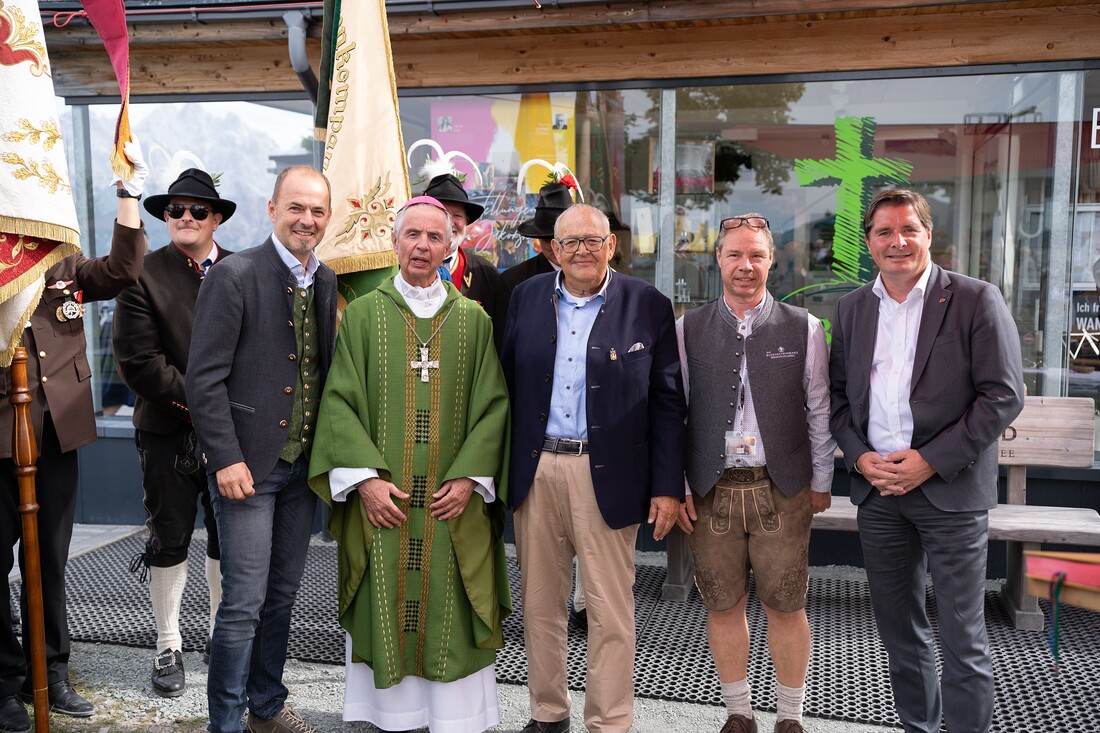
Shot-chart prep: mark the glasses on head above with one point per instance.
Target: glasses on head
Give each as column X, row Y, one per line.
column 752, row 222
column 570, row 245
column 198, row 211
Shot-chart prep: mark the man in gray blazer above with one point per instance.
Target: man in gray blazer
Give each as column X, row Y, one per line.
column 263, row 339
column 926, row 374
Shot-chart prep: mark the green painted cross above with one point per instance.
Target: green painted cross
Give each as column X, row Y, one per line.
column 856, row 171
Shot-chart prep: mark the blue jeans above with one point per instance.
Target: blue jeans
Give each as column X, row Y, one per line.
column 264, row 539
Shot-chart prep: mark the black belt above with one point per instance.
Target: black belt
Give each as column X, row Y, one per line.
column 565, row 445
column 745, row 474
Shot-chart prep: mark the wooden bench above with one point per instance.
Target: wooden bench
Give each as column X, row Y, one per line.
column 1051, row 431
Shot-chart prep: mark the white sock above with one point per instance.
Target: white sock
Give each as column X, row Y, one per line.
column 214, row 583
column 578, row 589
column 166, row 590
column 738, row 698
column 789, row 702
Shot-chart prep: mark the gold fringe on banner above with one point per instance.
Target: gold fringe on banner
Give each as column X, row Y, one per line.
column 41, row 230
column 358, row 263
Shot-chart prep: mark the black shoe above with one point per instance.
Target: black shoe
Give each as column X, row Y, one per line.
column 168, row 677
column 538, row 726
column 579, row 618
column 13, row 716
column 63, row 699
column 206, row 652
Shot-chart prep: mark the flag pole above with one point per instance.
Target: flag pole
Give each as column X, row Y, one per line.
column 25, row 456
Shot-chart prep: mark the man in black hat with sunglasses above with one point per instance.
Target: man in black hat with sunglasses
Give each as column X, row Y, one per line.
column 63, row 415
column 475, row 277
column 153, row 322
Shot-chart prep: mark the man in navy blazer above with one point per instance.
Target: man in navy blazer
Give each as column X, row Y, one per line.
column 264, row 334
column 926, row 374
column 598, row 410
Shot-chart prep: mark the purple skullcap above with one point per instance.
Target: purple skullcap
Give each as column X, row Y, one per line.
column 425, row 200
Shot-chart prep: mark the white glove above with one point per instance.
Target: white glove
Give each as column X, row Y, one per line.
column 135, row 186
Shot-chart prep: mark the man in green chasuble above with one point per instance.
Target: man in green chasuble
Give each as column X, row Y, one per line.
column 409, row 455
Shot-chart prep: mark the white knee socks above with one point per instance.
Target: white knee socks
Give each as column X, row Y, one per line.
column 214, row 583
column 166, row 590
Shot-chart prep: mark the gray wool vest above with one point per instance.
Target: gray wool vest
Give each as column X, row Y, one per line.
column 776, row 351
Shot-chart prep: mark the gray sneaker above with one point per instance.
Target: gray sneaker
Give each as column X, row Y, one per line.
column 285, row 721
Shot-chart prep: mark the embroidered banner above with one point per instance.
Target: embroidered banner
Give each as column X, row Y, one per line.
column 364, row 156
column 108, row 17
column 38, row 225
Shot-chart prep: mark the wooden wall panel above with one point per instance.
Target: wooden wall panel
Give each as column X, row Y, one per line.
column 753, row 46
column 760, row 47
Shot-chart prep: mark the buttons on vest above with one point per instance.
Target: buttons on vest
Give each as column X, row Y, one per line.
column 290, row 291
column 292, row 357
column 41, row 354
column 542, row 417
column 290, row 323
column 534, row 454
column 45, row 379
column 288, row 390
column 283, row 423
column 546, row 377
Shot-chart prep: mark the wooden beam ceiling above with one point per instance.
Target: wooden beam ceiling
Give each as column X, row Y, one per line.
column 238, row 56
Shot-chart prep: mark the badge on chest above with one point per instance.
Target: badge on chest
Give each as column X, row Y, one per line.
column 740, row 444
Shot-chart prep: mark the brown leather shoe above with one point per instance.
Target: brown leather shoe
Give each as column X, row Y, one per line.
column 789, row 726
column 285, row 721
column 739, row 724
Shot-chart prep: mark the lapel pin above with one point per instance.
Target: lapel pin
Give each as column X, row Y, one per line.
column 943, row 300
column 614, row 354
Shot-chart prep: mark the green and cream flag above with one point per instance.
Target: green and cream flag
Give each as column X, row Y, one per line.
column 38, row 225
column 364, row 155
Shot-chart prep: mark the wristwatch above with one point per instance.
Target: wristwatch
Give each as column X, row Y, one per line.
column 122, row 193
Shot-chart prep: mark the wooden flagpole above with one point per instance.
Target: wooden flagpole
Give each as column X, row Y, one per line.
column 25, row 456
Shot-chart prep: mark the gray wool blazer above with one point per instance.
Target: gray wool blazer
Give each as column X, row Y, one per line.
column 243, row 363
column 967, row 386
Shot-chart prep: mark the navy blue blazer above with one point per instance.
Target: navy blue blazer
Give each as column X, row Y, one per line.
column 243, row 361
column 967, row 386
column 635, row 401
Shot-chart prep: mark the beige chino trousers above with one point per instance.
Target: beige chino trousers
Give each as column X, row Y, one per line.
column 558, row 518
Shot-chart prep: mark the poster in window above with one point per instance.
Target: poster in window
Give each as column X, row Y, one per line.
column 694, row 166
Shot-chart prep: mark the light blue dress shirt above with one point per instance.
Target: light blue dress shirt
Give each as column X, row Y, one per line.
column 568, row 403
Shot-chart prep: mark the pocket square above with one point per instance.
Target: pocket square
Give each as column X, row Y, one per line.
column 638, row 346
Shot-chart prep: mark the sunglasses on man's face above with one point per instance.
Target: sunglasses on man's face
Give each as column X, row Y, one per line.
column 198, row 211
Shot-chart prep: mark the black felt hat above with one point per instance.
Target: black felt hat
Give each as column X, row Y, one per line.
column 193, row 183
column 447, row 188
column 554, row 198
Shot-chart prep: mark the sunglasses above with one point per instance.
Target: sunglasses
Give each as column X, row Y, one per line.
column 753, row 222
column 198, row 211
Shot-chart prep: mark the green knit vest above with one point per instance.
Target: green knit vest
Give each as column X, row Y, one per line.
column 307, row 392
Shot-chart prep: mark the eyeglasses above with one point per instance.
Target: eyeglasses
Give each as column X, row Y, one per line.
column 752, row 222
column 198, row 211
column 569, row 245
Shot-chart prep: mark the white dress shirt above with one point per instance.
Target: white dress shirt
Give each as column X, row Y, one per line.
column 890, row 427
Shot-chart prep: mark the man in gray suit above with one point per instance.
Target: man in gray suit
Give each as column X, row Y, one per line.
column 263, row 339
column 926, row 374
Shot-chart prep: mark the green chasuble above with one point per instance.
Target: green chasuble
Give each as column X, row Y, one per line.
column 426, row 598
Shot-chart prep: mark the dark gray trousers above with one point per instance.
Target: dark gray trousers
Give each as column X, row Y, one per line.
column 903, row 538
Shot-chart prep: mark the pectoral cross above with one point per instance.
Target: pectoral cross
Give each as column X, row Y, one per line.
column 423, row 365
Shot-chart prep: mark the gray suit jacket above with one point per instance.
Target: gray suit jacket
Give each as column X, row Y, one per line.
column 967, row 386
column 243, row 363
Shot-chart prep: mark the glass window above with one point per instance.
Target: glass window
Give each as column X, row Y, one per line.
column 242, row 144
column 604, row 137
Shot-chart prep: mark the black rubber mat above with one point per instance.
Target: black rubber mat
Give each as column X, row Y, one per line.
column 848, row 668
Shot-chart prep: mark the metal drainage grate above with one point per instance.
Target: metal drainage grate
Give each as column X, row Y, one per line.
column 847, row 679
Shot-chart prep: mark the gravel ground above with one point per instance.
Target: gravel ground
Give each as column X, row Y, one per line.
column 116, row 679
